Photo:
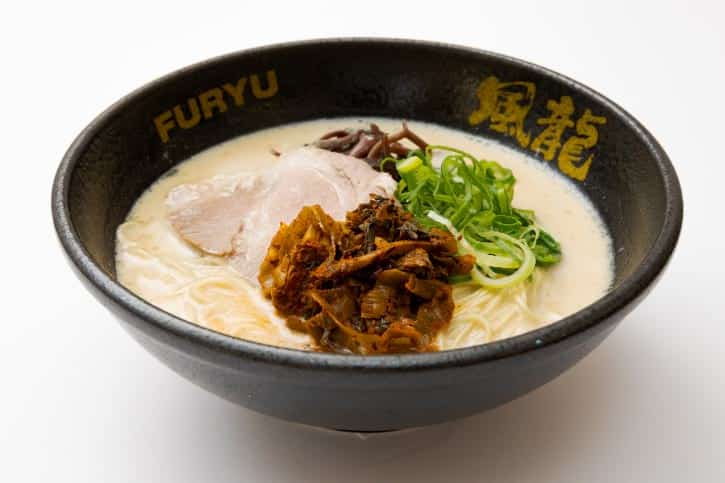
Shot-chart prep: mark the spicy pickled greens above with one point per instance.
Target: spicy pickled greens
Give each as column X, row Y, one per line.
column 472, row 198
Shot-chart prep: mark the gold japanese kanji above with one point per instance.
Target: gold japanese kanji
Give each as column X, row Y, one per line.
column 505, row 105
column 548, row 142
column 572, row 152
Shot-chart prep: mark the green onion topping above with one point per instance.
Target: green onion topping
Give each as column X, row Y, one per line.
column 471, row 198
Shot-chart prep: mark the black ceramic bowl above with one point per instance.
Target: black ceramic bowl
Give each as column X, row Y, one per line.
column 612, row 159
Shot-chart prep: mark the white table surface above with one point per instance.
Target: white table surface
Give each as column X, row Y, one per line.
column 82, row 402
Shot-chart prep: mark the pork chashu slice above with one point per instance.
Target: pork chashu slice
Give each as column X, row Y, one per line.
column 240, row 223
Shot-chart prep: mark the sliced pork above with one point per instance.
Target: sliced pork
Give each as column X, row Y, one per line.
column 209, row 216
column 241, row 223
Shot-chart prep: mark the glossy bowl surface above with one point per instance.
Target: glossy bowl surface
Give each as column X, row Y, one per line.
column 610, row 156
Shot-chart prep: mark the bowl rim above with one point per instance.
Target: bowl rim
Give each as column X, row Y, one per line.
column 599, row 311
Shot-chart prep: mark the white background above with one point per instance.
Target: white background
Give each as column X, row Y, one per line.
column 81, row 402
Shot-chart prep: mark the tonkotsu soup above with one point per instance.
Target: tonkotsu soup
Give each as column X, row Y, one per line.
column 274, row 237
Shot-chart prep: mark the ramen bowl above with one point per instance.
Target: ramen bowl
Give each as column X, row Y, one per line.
column 609, row 156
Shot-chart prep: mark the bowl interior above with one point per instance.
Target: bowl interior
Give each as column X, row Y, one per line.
column 579, row 134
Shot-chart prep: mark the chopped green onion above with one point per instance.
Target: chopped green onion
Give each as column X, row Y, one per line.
column 472, row 199
column 409, row 164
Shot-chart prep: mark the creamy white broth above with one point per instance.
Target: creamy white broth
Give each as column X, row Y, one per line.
column 156, row 264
